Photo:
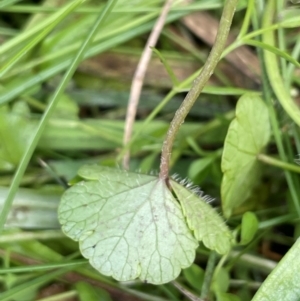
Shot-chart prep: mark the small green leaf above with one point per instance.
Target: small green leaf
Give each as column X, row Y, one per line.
column 221, row 280
column 87, row 292
column 194, row 275
column 249, row 227
column 15, row 133
column 227, row 297
column 247, row 136
column 207, row 225
column 128, row 225
column 200, row 167
column 283, row 282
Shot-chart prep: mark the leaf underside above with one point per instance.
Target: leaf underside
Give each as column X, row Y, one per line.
column 128, row 226
column 131, row 226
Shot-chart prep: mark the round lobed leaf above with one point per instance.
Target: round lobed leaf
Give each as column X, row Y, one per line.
column 128, row 225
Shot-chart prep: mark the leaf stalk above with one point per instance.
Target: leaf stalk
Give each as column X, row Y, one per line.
column 197, row 86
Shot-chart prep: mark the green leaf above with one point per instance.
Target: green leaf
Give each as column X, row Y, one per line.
column 274, row 50
column 227, row 297
column 131, row 226
column 199, row 168
column 169, row 70
column 247, row 136
column 194, row 275
column 5, row 3
column 56, row 19
column 283, row 282
column 128, row 225
column 207, row 225
column 221, row 281
column 290, row 18
column 66, row 109
column 273, row 69
column 28, row 287
column 90, row 293
column 248, row 228
column 15, row 132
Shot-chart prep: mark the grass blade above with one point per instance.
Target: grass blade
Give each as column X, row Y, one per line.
column 69, row 73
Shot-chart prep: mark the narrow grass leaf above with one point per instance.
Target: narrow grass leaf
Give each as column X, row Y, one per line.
column 273, row 70
column 42, row 267
column 15, row 42
column 291, row 18
column 51, row 107
column 170, row 72
column 37, row 38
column 26, row 287
column 274, row 50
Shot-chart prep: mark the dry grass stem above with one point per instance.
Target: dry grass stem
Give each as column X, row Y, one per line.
column 138, row 78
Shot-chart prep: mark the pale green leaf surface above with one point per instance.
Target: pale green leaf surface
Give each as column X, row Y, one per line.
column 128, row 225
column 283, row 282
column 207, row 225
column 247, row 135
column 249, row 227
